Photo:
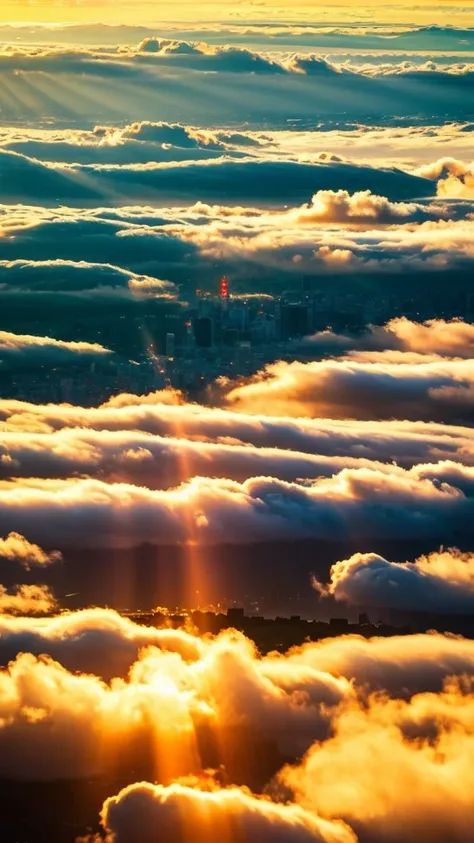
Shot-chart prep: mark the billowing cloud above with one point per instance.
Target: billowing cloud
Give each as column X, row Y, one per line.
column 281, row 181
column 154, row 57
column 453, row 338
column 385, row 664
column 162, row 462
column 155, row 461
column 430, row 753
column 176, row 135
column 162, row 397
column 102, row 642
column 232, row 812
column 16, row 349
column 26, row 599
column 205, row 57
column 98, row 641
column 262, row 250
column 163, row 414
column 63, row 276
column 441, row 389
column 283, row 87
column 142, row 141
column 442, row 582
column 164, row 702
column 355, row 504
column 181, row 685
column 362, row 207
column 434, row 247
column 136, row 143
column 30, row 599
column 16, row 548
column 455, row 179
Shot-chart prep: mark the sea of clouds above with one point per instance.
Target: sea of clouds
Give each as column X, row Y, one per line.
column 135, row 166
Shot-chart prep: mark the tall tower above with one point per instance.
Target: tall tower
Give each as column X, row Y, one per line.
column 224, row 288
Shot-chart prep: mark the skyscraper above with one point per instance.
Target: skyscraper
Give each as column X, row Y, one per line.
column 170, row 346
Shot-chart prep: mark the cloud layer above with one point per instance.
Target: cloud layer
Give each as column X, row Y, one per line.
column 357, row 503
column 325, row 165
column 338, row 701
column 439, row 389
column 435, row 336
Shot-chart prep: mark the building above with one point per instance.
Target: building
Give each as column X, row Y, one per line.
column 295, row 320
column 170, row 346
column 204, row 332
column 238, row 316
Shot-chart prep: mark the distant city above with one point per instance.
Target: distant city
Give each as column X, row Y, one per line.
column 281, row 633
column 217, row 334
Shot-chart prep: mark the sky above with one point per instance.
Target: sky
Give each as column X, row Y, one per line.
column 304, row 11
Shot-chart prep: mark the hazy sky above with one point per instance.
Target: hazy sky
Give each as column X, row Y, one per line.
column 147, row 11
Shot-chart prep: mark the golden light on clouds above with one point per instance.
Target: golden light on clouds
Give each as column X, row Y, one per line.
column 297, row 449
column 302, row 11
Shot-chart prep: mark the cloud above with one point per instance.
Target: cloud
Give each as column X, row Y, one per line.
column 63, row 276
column 340, row 206
column 273, row 84
column 455, row 179
column 157, row 708
column 280, row 247
column 136, row 143
column 299, row 452
column 18, row 349
column 16, row 548
column 57, row 295
column 164, row 702
column 263, row 251
column 168, row 397
column 32, row 599
column 177, row 182
column 163, row 414
column 154, row 57
column 65, row 724
column 204, row 57
column 232, row 812
column 440, row 390
column 104, row 643
column 442, row 582
column 294, row 249
column 70, row 726
column 399, row 141
column 385, row 664
column 429, row 751
column 92, row 641
column 317, row 66
column 453, row 338
column 26, row 600
column 155, row 461
column 401, row 144
column 165, row 462
column 177, row 135
column 354, row 504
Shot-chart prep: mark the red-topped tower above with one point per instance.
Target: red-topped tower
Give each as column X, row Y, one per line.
column 224, row 293
column 224, row 288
